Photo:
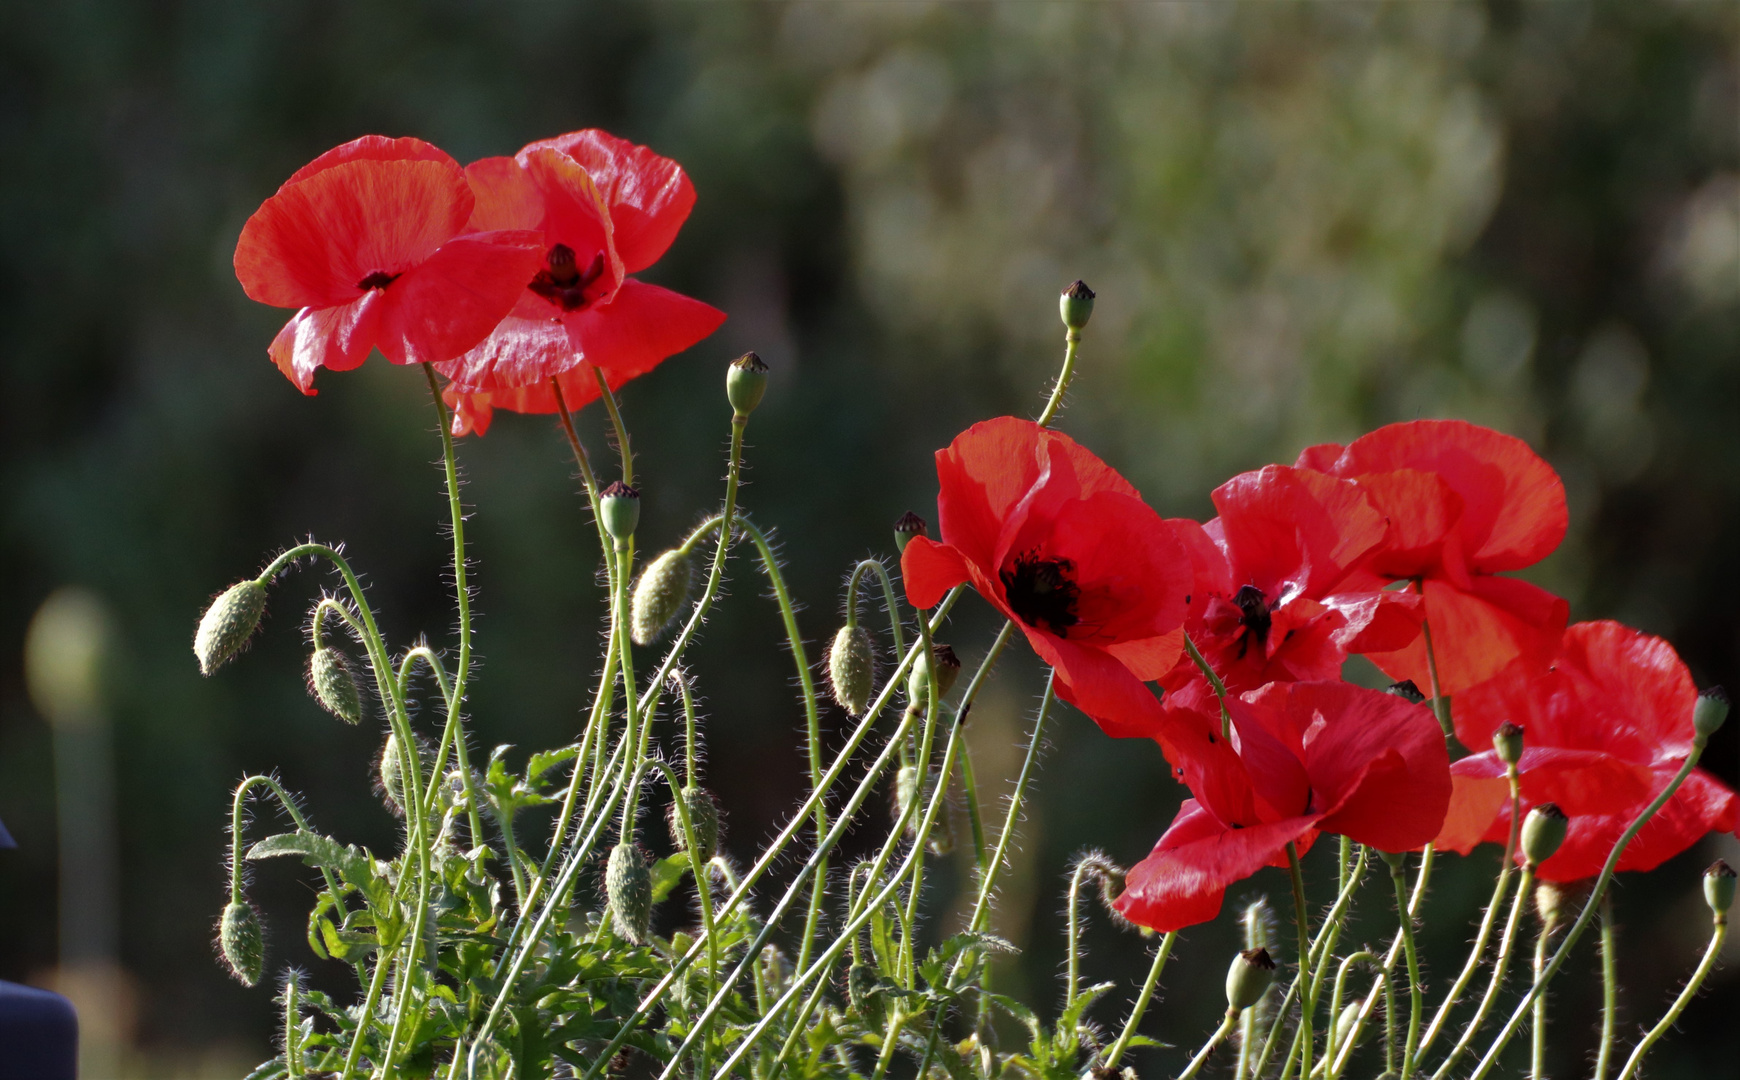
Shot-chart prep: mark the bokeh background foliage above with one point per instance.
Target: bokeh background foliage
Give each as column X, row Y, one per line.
column 1303, row 220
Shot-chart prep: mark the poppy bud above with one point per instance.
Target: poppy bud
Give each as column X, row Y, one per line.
column 947, row 665
column 1507, row 741
column 745, row 383
column 852, row 668
column 1551, row 899
column 1251, row 973
column 1407, row 691
column 864, row 991
column 242, row 943
column 332, row 684
column 628, row 889
column 391, row 774
column 909, row 526
column 1345, row 1023
column 1076, row 305
column 905, row 789
column 659, row 595
column 1710, row 711
column 1542, row 832
column 1719, row 889
column 619, row 506
column 228, row 624
column 703, row 818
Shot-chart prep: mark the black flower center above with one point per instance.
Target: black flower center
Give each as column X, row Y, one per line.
column 1041, row 593
column 562, row 282
column 380, row 279
column 1255, row 616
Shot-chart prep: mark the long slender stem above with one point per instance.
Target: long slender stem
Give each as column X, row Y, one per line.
column 1500, row 966
column 1071, row 339
column 1320, row 949
column 1440, row 704
column 1718, row 935
column 1302, row 921
column 1220, row 1034
column 1609, row 989
column 1409, row 1048
column 1538, row 1043
column 988, row 884
column 583, row 461
column 236, row 825
column 1116, row 1053
column 1214, row 681
column 1391, row 958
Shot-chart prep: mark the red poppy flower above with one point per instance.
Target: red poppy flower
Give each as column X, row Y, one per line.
column 605, row 208
column 1305, row 758
column 1605, row 728
column 366, row 241
column 1270, row 602
column 1465, row 503
column 1063, row 545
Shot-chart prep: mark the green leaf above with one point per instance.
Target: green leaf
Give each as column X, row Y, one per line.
column 666, row 873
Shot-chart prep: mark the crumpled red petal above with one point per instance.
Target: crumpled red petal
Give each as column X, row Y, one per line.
column 648, row 196
column 1183, row 880
column 1477, row 632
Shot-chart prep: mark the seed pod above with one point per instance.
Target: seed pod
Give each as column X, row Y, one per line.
column 1076, row 305
column 852, row 668
column 628, row 888
column 619, row 506
column 1719, row 889
column 242, row 942
column 909, row 526
column 1543, row 830
column 333, row 685
column 659, row 595
column 228, row 624
column 1251, row 973
column 1710, row 711
column 745, row 383
column 1508, row 742
column 947, row 665
column 1406, row 690
column 703, row 818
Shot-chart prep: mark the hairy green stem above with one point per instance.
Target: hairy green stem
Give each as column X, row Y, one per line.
column 1609, row 989
column 1718, row 935
column 1116, row 1054
column 1208, row 1048
column 1500, row 966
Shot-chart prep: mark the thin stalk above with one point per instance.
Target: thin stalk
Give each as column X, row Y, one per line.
column 1391, row 958
column 889, row 599
column 1071, row 340
column 1214, row 681
column 1410, row 1048
column 236, row 826
column 1116, row 1053
column 1220, row 1033
column 1440, row 705
column 1538, row 1044
column 1718, row 935
column 1301, row 920
column 1335, row 998
column 988, row 884
column 1609, row 988
column 293, row 1026
column 1500, row 966
column 1320, row 949
column 583, row 461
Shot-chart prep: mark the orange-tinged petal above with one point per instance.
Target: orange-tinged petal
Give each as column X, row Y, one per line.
column 507, row 197
column 1475, row 633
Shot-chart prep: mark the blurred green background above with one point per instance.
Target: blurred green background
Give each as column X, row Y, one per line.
column 1303, row 220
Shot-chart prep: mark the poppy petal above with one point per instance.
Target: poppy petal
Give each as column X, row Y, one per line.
column 1476, row 632
column 1377, row 621
column 371, row 148
column 1183, row 880
column 1701, row 806
column 1295, row 531
column 451, row 302
column 930, row 570
column 1150, row 658
column 639, row 328
column 1475, row 803
column 1098, row 684
column 338, row 337
column 575, row 213
column 648, row 196
column 507, row 197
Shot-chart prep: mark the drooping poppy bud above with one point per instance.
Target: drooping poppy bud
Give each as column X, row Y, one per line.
column 947, row 666
column 390, row 773
column 1345, row 1024
column 1710, row 711
column 852, row 668
column 1553, row 898
column 1719, row 889
column 864, row 991
column 745, row 383
column 703, row 818
column 628, row 889
column 909, row 526
column 228, row 624
column 619, row 506
column 1076, row 305
column 1507, row 742
column 333, row 684
column 1406, row 690
column 1251, row 973
column 1543, row 830
column 659, row 595
column 905, row 791
column 242, row 942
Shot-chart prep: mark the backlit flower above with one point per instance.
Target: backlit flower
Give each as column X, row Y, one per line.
column 1063, row 545
column 366, row 241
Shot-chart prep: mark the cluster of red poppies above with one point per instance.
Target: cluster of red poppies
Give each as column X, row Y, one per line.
column 1392, row 547
column 510, row 275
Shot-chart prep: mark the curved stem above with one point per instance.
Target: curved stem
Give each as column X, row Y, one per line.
column 1321, row 948
column 1071, row 340
column 988, row 884
column 1335, row 998
column 1440, row 704
column 584, row 462
column 1499, row 968
column 623, row 449
column 1718, row 935
column 1302, row 921
column 1391, row 958
column 1220, row 1033
column 1116, row 1053
column 236, row 827
column 889, row 599
column 1214, row 681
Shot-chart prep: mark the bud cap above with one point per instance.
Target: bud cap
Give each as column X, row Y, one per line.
column 619, row 505
column 242, row 943
column 852, row 668
column 333, row 685
column 1710, row 711
column 1543, row 830
column 628, row 889
column 659, row 595
column 1719, row 888
column 1076, row 305
column 1507, row 742
column 1407, row 691
column 1251, row 973
column 909, row 526
column 228, row 624
column 745, row 383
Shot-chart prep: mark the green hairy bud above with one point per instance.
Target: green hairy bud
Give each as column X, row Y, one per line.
column 864, row 991
column 1076, row 305
column 1345, row 1023
column 852, row 668
column 905, row 790
column 947, row 665
column 1719, row 889
column 1543, row 831
column 659, row 595
column 333, row 685
column 1710, row 711
column 242, row 943
column 1251, row 973
column 228, row 624
column 391, row 774
column 619, row 506
column 628, row 889
column 703, row 818
column 745, row 383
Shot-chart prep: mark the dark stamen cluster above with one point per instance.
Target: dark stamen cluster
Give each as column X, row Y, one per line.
column 1254, row 606
column 1041, row 593
column 562, row 282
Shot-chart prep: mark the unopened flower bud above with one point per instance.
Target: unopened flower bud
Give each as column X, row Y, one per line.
column 228, row 624
column 852, row 668
column 1407, row 691
column 864, row 991
column 390, row 772
column 242, row 943
column 1345, row 1024
column 1710, row 711
column 628, row 889
column 703, row 818
column 1543, row 830
column 619, row 506
column 745, row 383
column 333, row 685
column 947, row 666
column 909, row 526
column 1507, row 741
column 1719, row 888
column 1251, row 973
column 659, row 595
column 1076, row 305
column 905, row 792
column 1551, row 900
